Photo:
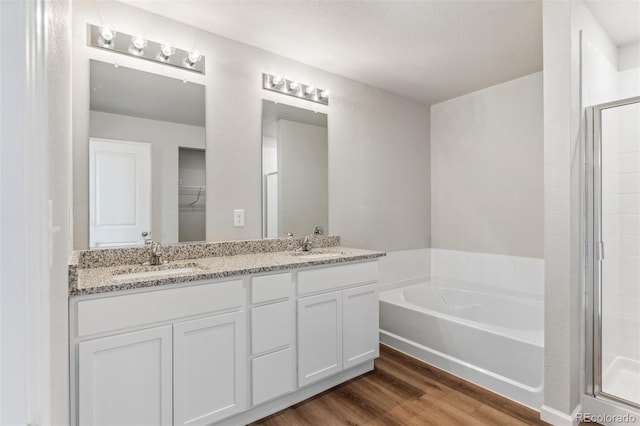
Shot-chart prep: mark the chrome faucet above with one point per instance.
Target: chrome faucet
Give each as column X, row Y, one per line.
column 306, row 243
column 155, row 255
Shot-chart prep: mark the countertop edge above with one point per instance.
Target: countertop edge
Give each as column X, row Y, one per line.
column 74, row 291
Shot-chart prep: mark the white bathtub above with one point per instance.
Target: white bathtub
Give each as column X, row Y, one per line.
column 488, row 336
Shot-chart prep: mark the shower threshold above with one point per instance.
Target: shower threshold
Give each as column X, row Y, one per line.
column 622, row 379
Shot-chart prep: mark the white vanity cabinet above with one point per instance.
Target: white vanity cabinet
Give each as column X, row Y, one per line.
column 336, row 329
column 225, row 351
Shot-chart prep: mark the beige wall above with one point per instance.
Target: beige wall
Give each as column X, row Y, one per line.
column 487, row 170
column 378, row 142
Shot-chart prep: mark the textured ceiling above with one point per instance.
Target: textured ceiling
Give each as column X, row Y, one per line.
column 424, row 50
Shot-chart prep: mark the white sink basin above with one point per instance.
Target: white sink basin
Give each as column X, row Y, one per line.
column 159, row 271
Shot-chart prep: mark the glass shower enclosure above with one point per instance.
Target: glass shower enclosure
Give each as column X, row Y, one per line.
column 612, row 247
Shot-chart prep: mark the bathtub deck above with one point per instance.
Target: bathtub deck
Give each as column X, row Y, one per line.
column 405, row 391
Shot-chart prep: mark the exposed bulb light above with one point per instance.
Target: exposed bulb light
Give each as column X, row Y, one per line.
column 138, row 42
column 166, row 50
column 276, row 80
column 294, row 86
column 137, row 45
column 279, row 84
column 192, row 58
column 106, row 36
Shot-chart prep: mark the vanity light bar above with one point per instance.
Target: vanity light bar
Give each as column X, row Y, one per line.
column 133, row 45
column 279, row 84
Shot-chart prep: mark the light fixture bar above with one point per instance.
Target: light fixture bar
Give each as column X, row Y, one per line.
column 164, row 53
column 279, row 84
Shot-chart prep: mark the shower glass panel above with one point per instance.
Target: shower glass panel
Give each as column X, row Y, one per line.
column 616, row 251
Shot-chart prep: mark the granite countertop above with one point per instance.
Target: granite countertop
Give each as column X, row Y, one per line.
column 93, row 280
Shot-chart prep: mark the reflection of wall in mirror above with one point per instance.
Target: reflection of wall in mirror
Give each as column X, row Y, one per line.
column 302, row 177
column 270, row 177
column 191, row 195
column 165, row 138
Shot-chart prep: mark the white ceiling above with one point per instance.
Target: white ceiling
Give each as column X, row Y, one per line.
column 619, row 18
column 429, row 51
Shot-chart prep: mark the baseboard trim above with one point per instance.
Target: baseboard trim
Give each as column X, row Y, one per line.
column 558, row 418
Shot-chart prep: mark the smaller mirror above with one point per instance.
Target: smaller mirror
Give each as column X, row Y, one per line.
column 294, row 171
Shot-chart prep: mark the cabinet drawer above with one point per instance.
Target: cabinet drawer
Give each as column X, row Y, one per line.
column 325, row 279
column 270, row 287
column 271, row 376
column 271, row 326
column 130, row 310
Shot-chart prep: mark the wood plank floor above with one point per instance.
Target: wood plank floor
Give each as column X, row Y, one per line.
column 404, row 391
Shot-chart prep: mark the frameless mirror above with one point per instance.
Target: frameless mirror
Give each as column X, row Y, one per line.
column 146, row 158
column 294, row 171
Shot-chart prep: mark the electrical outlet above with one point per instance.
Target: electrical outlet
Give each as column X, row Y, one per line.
column 238, row 217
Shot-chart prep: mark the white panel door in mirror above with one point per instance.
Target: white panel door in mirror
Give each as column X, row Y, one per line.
column 119, row 192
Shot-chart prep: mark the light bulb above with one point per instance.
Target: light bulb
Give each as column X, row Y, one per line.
column 276, row 80
column 106, row 37
column 294, row 86
column 107, row 34
column 310, row 90
column 167, row 50
column 324, row 94
column 138, row 42
column 193, row 58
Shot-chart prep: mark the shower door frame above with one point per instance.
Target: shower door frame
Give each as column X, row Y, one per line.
column 594, row 252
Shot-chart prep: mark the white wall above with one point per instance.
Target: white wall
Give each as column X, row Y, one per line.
column 370, row 131
column 516, row 273
column 561, row 212
column 564, row 99
column 487, row 170
column 165, row 138
column 35, row 154
column 302, row 177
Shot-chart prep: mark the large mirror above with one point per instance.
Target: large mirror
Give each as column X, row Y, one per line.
column 146, row 158
column 294, row 171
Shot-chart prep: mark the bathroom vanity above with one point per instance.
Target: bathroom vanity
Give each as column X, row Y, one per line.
column 227, row 338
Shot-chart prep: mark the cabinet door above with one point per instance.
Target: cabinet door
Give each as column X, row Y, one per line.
column 126, row 379
column 319, row 337
column 208, row 372
column 360, row 320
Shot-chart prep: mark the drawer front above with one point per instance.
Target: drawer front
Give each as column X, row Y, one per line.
column 271, row 326
column 333, row 277
column 118, row 312
column 270, row 287
column 271, row 376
